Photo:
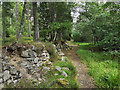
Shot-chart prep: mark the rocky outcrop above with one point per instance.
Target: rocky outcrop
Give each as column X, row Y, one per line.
column 28, row 64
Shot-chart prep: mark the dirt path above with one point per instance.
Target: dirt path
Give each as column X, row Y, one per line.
column 84, row 80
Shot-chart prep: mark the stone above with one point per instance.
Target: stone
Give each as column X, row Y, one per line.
column 28, row 65
column 30, row 59
column 12, row 67
column 6, row 57
column 25, row 54
column 33, row 65
column 49, row 63
column 39, row 82
column 56, row 74
column 28, row 53
column 6, row 68
column 1, row 85
column 4, row 63
column 35, row 80
column 34, row 48
column 15, row 81
column 44, row 51
column 39, row 79
column 6, row 75
column 20, row 75
column 61, row 54
column 1, row 80
column 37, row 75
column 0, row 55
column 32, row 53
column 44, row 54
column 36, row 60
column 46, row 68
column 63, row 59
column 45, row 59
column 38, row 65
column 65, row 68
column 13, row 71
column 62, row 81
column 1, row 75
column 58, row 68
column 64, row 73
column 24, row 63
column 9, row 81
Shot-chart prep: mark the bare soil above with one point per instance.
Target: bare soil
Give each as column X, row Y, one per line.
column 83, row 78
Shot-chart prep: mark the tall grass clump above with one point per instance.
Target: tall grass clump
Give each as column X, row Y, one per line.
column 101, row 66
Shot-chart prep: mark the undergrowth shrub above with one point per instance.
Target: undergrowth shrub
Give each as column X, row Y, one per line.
column 51, row 50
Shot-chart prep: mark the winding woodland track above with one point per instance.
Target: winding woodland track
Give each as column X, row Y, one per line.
column 84, row 80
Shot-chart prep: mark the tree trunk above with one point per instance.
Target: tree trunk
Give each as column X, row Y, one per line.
column 36, row 30
column 28, row 21
column 55, row 36
column 22, row 20
column 59, row 36
column 3, row 21
column 52, row 17
column 17, row 20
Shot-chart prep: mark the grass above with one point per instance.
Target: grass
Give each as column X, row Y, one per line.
column 101, row 67
column 22, row 40
column 70, row 79
column 51, row 80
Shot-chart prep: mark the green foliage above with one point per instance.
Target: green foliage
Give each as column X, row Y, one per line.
column 99, row 23
column 67, row 64
column 22, row 40
column 101, row 67
column 105, row 73
column 50, row 48
column 70, row 79
column 10, row 31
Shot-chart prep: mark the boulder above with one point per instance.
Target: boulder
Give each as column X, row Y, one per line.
column 49, row 63
column 44, row 54
column 1, row 80
column 30, row 59
column 6, row 68
column 9, row 81
column 1, row 75
column 44, row 51
column 6, row 75
column 64, row 73
column 12, row 67
column 62, row 82
column 65, row 68
column 61, row 54
column 38, row 65
column 37, row 75
column 34, row 48
column 56, row 74
column 46, row 68
column 13, row 71
column 58, row 68
column 15, row 81
column 1, row 85
column 0, row 55
column 36, row 60
column 28, row 53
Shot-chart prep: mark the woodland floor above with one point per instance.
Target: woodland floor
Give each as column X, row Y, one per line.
column 83, row 78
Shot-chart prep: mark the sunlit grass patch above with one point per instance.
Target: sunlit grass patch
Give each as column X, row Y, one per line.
column 101, row 66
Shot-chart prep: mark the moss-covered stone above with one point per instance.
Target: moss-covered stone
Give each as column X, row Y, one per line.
column 62, row 82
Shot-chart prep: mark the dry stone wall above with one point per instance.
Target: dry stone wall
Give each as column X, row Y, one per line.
column 26, row 65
